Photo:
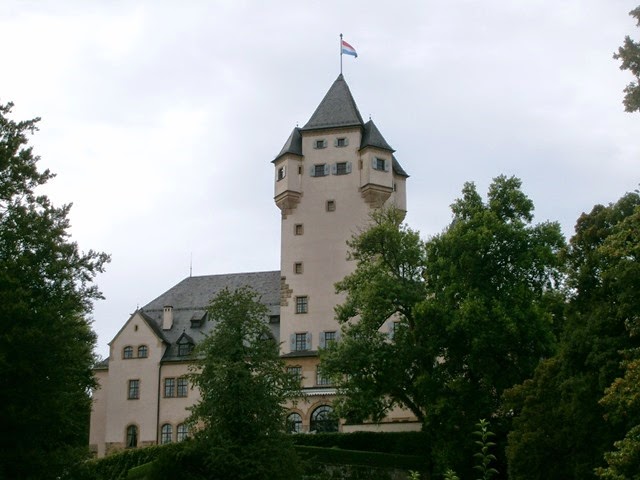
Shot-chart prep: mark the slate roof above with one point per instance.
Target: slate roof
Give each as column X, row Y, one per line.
column 371, row 137
column 292, row 145
column 337, row 109
column 191, row 296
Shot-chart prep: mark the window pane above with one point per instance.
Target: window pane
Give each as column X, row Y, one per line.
column 132, row 436
column 301, row 342
column 169, row 387
column 166, row 435
column 294, row 423
column 134, row 389
column 182, row 432
column 322, row 420
column 302, row 304
column 183, row 386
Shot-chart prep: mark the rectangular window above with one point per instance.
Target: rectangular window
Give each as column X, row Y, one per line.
column 331, row 205
column 329, row 338
column 321, row 379
column 319, row 170
column 297, row 268
column 298, row 229
column 183, row 387
column 380, row 164
column 302, row 304
column 282, row 172
column 296, row 372
column 320, row 144
column 342, row 168
column 169, row 387
column 342, row 142
column 301, row 342
column 134, row 390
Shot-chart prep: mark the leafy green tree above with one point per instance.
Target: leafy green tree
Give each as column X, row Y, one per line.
column 240, row 418
column 373, row 373
column 46, row 342
column 472, row 312
column 622, row 399
column 629, row 54
column 559, row 431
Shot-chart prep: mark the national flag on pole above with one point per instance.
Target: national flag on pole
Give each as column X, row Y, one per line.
column 348, row 49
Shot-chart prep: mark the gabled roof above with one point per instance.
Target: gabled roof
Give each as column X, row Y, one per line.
column 371, row 137
column 192, row 296
column 292, row 145
column 337, row 109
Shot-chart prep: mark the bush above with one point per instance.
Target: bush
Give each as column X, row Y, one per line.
column 401, row 443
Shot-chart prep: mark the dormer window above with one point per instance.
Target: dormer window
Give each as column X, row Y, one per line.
column 184, row 349
column 318, row 144
column 185, row 345
column 341, row 142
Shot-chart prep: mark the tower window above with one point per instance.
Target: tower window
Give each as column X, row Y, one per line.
column 302, row 304
column 320, row 144
column 319, row 170
column 282, row 172
column 342, row 168
column 298, row 229
column 134, row 390
column 380, row 164
column 331, row 205
column 297, row 267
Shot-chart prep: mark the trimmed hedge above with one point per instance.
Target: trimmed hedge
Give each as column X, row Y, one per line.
column 400, row 443
column 338, row 456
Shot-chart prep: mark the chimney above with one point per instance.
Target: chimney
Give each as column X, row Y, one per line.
column 167, row 317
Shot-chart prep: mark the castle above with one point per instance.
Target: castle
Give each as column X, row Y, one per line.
column 329, row 176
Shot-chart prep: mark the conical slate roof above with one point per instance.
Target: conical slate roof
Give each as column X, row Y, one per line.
column 371, row 137
column 337, row 109
column 292, row 145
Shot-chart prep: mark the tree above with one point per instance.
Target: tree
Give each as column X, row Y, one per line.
column 622, row 398
column 46, row 342
column 629, row 53
column 558, row 415
column 471, row 314
column 243, row 386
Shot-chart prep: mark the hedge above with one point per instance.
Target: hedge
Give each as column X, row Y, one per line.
column 401, row 443
column 338, row 456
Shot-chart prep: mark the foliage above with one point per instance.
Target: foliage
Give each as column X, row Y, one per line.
column 374, row 374
column 243, row 386
column 622, row 398
column 473, row 311
column 407, row 443
column 629, row 53
column 46, row 342
column 483, row 456
column 337, row 456
column 117, row 465
column 450, row 475
column 557, row 412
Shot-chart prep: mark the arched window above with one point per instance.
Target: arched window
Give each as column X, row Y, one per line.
column 183, row 432
column 294, row 423
column 143, row 351
column 322, row 420
column 127, row 352
column 132, row 436
column 166, row 434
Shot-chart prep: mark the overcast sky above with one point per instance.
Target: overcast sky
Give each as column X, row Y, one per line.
column 161, row 118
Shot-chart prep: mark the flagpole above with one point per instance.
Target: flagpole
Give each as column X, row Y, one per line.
column 340, row 54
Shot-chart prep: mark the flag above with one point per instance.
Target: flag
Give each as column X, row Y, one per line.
column 348, row 49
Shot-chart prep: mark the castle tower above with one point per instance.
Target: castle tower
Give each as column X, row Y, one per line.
column 329, row 176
